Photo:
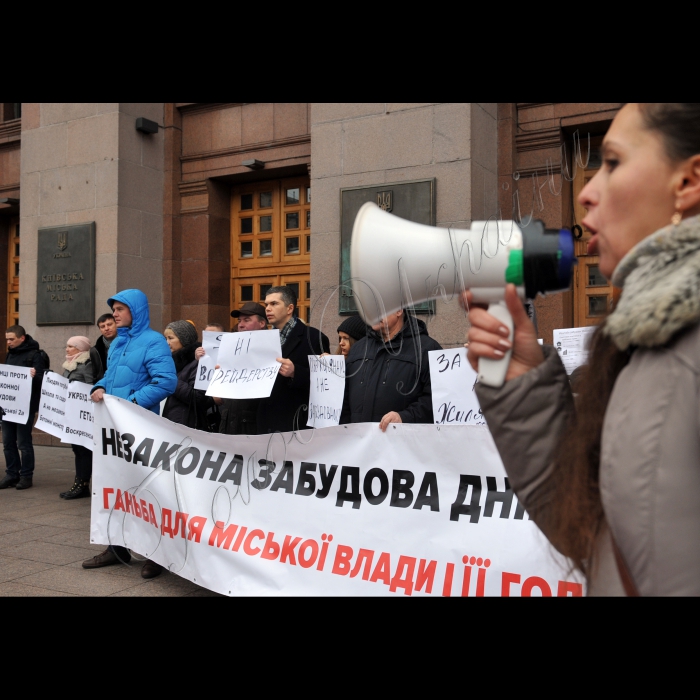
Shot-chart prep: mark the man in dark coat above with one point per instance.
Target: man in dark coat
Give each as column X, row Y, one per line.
column 387, row 374
column 287, row 406
column 22, row 351
column 240, row 416
column 108, row 333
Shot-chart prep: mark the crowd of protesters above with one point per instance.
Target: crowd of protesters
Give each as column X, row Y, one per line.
column 388, row 380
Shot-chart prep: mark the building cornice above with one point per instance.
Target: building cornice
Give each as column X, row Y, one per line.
column 247, row 148
column 11, row 132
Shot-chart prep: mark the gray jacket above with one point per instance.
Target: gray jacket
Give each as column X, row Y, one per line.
column 650, row 454
column 79, row 369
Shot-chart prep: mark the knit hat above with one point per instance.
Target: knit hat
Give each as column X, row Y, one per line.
column 80, row 342
column 354, row 326
column 186, row 333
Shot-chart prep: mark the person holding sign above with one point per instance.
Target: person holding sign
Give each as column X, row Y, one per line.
column 388, row 374
column 286, row 407
column 240, row 416
column 141, row 370
column 22, row 351
column 108, row 332
column 350, row 331
column 78, row 367
column 613, row 479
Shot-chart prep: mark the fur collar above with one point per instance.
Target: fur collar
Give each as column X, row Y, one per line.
column 79, row 359
column 660, row 277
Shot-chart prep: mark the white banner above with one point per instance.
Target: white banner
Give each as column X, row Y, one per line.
column 453, row 382
column 15, row 393
column 79, row 418
column 205, row 369
column 326, row 391
column 572, row 346
column 52, row 406
column 342, row 511
column 248, row 365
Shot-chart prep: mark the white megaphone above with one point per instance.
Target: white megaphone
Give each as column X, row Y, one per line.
column 396, row 263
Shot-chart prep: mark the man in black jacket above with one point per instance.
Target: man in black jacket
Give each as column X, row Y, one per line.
column 108, row 329
column 387, row 374
column 287, row 406
column 22, row 351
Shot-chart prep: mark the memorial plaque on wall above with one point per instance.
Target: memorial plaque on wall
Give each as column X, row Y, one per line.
column 413, row 201
column 65, row 292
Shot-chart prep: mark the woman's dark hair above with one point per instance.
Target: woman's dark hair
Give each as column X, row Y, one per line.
column 575, row 515
column 678, row 123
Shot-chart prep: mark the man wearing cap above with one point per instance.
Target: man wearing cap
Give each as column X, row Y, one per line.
column 286, row 407
column 141, row 370
column 240, row 416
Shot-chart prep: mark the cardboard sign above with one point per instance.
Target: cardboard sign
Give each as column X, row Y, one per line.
column 211, row 340
column 79, row 415
column 15, row 393
column 572, row 346
column 248, row 365
column 453, row 381
column 52, row 405
column 326, row 390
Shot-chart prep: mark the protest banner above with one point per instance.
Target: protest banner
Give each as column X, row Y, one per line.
column 572, row 346
column 15, row 393
column 326, row 391
column 453, row 382
column 205, row 369
column 79, row 418
column 347, row 510
column 52, row 405
column 248, row 365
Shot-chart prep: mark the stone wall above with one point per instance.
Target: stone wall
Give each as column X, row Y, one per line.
column 365, row 144
column 85, row 162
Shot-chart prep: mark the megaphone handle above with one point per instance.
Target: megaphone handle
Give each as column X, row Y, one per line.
column 493, row 372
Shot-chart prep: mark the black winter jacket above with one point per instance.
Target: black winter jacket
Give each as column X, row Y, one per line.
column 28, row 355
column 382, row 378
column 102, row 348
column 178, row 405
column 288, row 395
column 239, row 416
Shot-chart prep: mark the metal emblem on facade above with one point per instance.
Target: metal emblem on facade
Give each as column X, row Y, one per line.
column 385, row 200
column 62, row 240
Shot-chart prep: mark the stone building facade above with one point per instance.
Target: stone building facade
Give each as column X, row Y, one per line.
column 217, row 204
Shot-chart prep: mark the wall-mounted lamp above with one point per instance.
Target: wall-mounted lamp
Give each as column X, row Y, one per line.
column 9, row 201
column 253, row 164
column 146, row 126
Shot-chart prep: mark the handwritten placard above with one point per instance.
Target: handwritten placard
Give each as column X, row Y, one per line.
column 453, row 381
column 211, row 340
column 79, row 417
column 326, row 391
column 572, row 346
column 52, row 405
column 248, row 365
column 15, row 393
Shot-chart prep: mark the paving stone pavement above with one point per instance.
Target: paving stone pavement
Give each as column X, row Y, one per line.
column 44, row 539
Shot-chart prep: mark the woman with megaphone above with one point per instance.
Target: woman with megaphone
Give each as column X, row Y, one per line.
column 613, row 480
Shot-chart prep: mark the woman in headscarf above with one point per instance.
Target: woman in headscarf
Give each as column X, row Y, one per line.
column 79, row 368
column 186, row 405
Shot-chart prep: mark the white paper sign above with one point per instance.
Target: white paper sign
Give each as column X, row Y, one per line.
column 248, row 365
column 572, row 346
column 326, row 391
column 453, row 381
column 52, row 405
column 15, row 393
column 79, row 417
column 205, row 369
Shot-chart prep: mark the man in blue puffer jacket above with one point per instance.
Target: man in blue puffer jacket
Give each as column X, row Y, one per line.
column 140, row 369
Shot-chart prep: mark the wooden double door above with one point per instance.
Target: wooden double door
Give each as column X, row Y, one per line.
column 271, row 241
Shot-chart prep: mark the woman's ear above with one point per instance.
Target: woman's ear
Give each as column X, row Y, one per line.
column 687, row 191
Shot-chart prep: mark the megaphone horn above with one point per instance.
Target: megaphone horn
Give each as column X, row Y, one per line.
column 396, row 263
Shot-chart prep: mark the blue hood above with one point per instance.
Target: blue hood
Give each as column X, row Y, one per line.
column 137, row 302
